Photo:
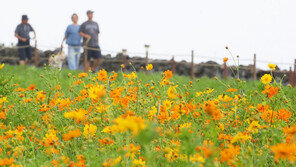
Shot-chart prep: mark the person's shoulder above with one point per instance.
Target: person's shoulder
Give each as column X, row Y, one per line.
column 84, row 23
column 19, row 25
column 70, row 26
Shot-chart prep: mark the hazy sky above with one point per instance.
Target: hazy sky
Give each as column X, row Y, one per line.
column 171, row 27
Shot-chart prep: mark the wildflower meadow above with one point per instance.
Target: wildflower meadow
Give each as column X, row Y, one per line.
column 69, row 118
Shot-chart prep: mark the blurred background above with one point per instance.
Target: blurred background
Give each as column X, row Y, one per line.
column 170, row 27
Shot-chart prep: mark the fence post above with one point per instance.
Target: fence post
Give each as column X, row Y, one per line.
column 124, row 59
column 146, row 59
column 291, row 76
column 254, row 68
column 85, row 60
column 36, row 56
column 192, row 65
column 294, row 74
column 173, row 65
column 225, row 70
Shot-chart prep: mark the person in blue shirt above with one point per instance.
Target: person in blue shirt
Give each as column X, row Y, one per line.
column 73, row 39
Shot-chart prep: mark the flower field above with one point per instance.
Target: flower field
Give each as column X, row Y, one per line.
column 62, row 118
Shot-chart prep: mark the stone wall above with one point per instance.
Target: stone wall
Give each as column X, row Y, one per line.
column 210, row 68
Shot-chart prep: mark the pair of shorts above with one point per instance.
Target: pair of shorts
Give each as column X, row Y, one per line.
column 25, row 52
column 94, row 53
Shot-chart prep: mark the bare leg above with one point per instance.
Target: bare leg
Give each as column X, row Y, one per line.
column 87, row 66
column 22, row 62
column 96, row 64
column 27, row 61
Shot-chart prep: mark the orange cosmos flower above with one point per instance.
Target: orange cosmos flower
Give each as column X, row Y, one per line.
column 225, row 59
column 6, row 162
column 229, row 153
column 168, row 74
column 82, row 75
column 231, row 90
column 284, row 114
column 113, row 77
column 31, row 87
column 102, row 75
column 270, row 90
column 209, row 107
column 71, row 134
column 284, row 151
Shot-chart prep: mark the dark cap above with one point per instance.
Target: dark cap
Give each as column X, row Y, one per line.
column 89, row 11
column 25, row 17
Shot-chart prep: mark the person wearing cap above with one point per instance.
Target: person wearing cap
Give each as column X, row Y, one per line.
column 73, row 39
column 22, row 34
column 89, row 30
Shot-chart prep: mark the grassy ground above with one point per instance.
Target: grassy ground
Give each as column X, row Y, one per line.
column 27, row 75
column 68, row 118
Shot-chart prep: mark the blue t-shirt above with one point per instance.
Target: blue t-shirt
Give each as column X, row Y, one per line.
column 72, row 35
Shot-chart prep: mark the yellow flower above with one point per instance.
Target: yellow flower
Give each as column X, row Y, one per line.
column 78, row 115
column 152, row 112
column 139, row 162
column 96, row 92
column 50, row 138
column 130, row 76
column 107, row 129
column 254, row 126
column 167, row 104
column 186, row 125
column 197, row 158
column 89, row 130
column 271, row 66
column 132, row 123
column 112, row 162
column 2, row 100
column 172, row 92
column 149, row 67
column 266, row 79
column 241, row 137
column 2, row 65
column 199, row 93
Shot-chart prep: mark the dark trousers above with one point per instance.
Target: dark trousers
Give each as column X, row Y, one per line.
column 25, row 52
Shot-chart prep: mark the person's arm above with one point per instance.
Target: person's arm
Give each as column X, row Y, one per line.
column 65, row 37
column 34, row 34
column 16, row 34
column 98, row 28
column 81, row 32
column 84, row 35
column 20, row 38
column 63, row 41
column 31, row 29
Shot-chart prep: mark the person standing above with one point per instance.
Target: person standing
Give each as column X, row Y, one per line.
column 73, row 39
column 89, row 30
column 22, row 32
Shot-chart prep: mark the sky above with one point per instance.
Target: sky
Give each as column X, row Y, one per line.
column 170, row 27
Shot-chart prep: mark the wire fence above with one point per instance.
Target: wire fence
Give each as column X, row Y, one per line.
column 166, row 56
column 181, row 59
